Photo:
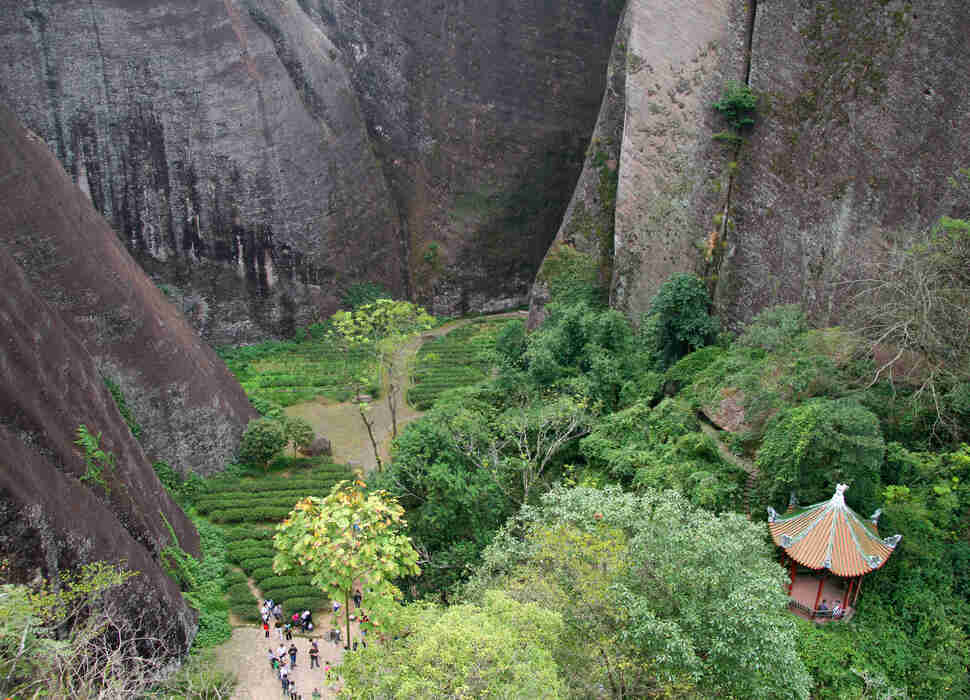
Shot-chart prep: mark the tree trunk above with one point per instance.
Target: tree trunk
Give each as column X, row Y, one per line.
column 347, row 615
column 392, row 406
column 369, row 424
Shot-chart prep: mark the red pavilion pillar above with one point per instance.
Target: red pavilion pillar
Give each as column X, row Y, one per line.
column 821, row 583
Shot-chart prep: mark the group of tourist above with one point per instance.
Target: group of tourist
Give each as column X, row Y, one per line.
column 283, row 660
column 836, row 608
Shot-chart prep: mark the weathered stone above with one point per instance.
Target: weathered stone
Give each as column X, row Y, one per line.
column 320, row 447
column 223, row 142
column 192, row 411
column 259, row 156
column 865, row 116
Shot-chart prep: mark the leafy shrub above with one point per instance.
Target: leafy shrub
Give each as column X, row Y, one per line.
column 687, row 367
column 680, row 319
column 814, row 446
column 262, row 439
column 775, row 328
column 737, row 104
column 123, row 408
column 363, row 293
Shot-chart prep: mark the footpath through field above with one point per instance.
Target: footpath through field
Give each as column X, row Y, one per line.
column 341, row 424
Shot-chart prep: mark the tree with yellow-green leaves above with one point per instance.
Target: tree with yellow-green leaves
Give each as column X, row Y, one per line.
column 386, row 327
column 350, row 538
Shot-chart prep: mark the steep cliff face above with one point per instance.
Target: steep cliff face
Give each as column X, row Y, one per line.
column 223, row 142
column 866, row 115
column 192, row 411
column 259, row 155
column 862, row 119
column 50, row 520
column 481, row 112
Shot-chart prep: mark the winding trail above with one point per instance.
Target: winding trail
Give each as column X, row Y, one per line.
column 745, row 464
column 245, row 654
column 341, row 424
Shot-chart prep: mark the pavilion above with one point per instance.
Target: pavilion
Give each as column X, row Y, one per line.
column 828, row 548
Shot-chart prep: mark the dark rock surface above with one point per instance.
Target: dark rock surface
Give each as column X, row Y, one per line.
column 481, row 112
column 49, row 519
column 320, row 447
column 257, row 157
column 222, row 141
column 862, row 121
column 192, row 411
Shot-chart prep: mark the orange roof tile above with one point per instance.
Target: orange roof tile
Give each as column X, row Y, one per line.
column 830, row 535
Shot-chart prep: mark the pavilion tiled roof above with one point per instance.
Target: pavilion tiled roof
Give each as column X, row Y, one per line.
column 830, row 535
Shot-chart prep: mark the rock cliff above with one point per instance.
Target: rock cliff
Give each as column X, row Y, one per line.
column 191, row 410
column 861, row 123
column 257, row 156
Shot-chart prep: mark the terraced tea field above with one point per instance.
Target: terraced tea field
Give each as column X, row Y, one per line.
column 254, row 504
column 460, row 358
column 292, row 372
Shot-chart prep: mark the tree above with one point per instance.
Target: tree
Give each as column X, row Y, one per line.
column 811, row 447
column 679, row 320
column 261, row 441
column 655, row 593
column 518, row 448
column 911, row 307
column 72, row 638
column 499, row 649
column 387, row 327
column 453, row 509
column 298, row 432
column 737, row 104
column 349, row 538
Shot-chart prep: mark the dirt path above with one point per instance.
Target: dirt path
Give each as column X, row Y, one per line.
column 245, row 654
column 745, row 464
column 341, row 424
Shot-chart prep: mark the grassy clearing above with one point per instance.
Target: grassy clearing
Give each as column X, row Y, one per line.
column 462, row 357
column 291, row 372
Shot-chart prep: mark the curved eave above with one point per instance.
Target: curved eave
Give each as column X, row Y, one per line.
column 832, row 538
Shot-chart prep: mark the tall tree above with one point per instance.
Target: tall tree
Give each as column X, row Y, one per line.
column 912, row 308
column 387, row 327
column 657, row 595
column 349, row 538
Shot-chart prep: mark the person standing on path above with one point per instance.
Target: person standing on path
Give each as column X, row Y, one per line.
column 314, row 654
column 292, row 651
column 285, row 679
column 266, row 628
column 357, row 598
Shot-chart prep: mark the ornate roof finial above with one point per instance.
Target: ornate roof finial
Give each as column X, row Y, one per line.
column 839, row 499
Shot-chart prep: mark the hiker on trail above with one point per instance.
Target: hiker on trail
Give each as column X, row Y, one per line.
column 278, row 611
column 266, row 628
column 292, row 651
column 357, row 598
column 272, row 659
column 314, row 654
column 281, row 653
column 285, row 678
column 326, row 671
column 288, row 631
column 279, row 629
column 306, row 620
column 355, row 645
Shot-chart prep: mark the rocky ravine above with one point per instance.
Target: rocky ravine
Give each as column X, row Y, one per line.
column 861, row 122
column 76, row 309
column 257, row 156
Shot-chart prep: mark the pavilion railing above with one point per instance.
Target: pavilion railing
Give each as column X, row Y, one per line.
column 792, row 603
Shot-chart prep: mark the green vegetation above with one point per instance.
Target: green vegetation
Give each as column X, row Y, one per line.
column 499, row 649
column 122, row 405
column 283, row 373
column 97, row 461
column 346, row 540
column 462, row 357
column 799, row 409
column 262, row 440
column 737, row 104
